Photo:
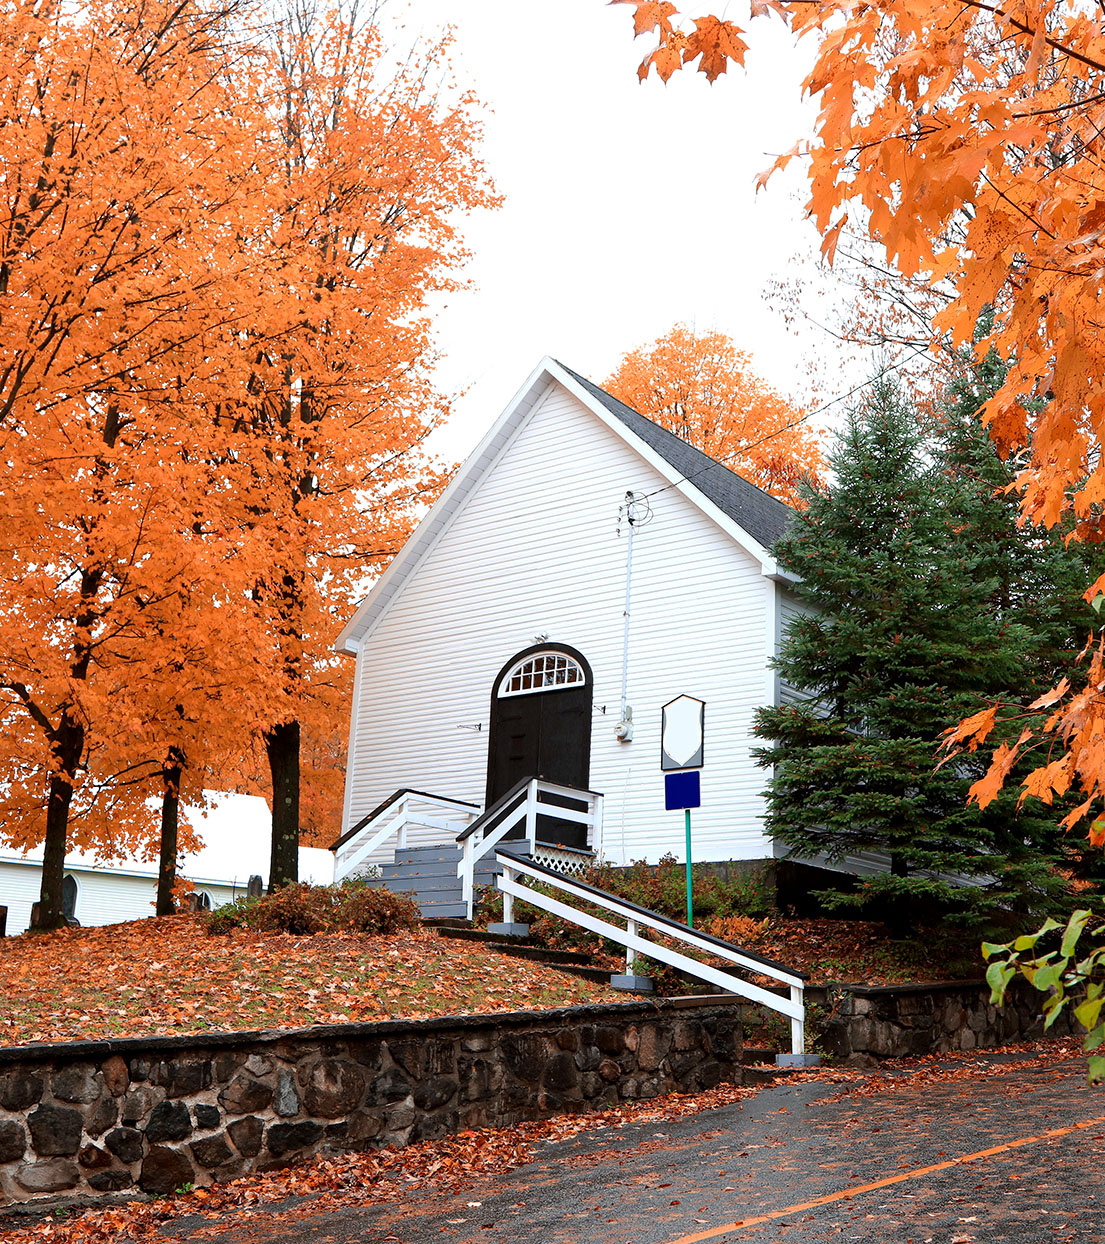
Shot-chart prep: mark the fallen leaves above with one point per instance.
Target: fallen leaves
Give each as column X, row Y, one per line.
column 957, row 1067
column 166, row 976
column 851, row 950
column 447, row 1166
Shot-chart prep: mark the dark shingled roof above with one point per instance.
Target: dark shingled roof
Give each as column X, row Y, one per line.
column 757, row 512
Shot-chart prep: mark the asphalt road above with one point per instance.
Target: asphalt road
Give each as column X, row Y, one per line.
column 1018, row 1158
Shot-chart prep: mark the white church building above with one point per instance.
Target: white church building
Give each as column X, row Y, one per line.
column 584, row 568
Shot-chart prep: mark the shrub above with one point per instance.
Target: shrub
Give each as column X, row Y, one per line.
column 661, row 887
column 351, row 907
column 367, row 909
column 738, row 930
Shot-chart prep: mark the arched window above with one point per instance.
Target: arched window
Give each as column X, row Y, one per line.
column 69, row 897
column 203, row 900
column 541, row 671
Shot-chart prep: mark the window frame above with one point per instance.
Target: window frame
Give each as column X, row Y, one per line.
column 562, row 660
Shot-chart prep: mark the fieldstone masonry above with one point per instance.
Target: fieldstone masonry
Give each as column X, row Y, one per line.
column 862, row 1024
column 155, row 1114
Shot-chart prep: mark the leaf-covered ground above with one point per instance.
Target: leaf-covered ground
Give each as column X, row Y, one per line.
column 167, row 975
column 861, row 951
column 827, row 950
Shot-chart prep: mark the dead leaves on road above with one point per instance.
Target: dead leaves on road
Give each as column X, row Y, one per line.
column 447, row 1166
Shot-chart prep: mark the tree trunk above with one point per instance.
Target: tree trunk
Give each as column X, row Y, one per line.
column 49, row 905
column 68, row 747
column 282, row 747
column 67, row 741
column 170, row 811
column 899, row 919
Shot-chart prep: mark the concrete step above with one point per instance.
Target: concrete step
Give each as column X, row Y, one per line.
column 753, row 1076
column 437, row 911
column 576, row 962
column 481, row 935
column 429, row 868
column 424, row 885
column 390, row 873
column 418, row 855
column 759, row 1054
column 522, row 948
column 602, row 975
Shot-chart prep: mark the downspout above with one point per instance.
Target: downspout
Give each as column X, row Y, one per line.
column 623, row 731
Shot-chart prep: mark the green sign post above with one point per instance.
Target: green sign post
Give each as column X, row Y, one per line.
column 681, row 749
column 690, row 878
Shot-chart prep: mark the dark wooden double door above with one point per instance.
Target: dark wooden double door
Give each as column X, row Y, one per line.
column 544, row 734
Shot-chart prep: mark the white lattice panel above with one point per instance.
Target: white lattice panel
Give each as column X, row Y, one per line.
column 570, row 863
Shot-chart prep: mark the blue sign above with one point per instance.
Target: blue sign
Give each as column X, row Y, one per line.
column 682, row 790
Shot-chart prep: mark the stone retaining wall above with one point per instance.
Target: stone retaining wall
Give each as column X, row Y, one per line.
column 861, row 1024
column 154, row 1114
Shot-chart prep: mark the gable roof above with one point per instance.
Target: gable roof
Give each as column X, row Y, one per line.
column 746, row 513
column 759, row 513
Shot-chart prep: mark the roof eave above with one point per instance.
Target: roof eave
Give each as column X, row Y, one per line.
column 661, row 465
column 436, row 518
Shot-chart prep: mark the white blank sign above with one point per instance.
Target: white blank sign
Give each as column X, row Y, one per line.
column 681, row 735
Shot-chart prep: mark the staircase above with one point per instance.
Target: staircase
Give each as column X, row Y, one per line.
column 574, row 962
column 430, row 874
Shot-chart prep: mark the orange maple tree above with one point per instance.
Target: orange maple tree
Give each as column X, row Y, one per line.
column 215, row 380
column 702, row 388
column 369, row 171
column 108, row 298
column 965, row 138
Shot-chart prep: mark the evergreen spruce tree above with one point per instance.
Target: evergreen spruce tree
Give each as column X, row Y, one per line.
column 901, row 642
column 1038, row 579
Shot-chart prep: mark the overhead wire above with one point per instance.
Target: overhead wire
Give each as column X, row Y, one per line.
column 686, row 479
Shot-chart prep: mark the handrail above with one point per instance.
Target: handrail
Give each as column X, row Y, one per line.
column 488, row 814
column 383, row 807
column 793, row 1007
column 758, row 963
column 521, row 804
column 551, row 788
column 395, row 816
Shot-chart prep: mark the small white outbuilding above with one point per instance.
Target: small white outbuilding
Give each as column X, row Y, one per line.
column 584, row 568
column 236, row 832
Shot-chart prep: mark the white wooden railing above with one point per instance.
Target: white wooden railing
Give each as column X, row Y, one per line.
column 520, row 807
column 516, row 871
column 412, row 818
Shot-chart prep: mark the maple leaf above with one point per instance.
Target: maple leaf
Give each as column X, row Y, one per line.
column 781, row 161
column 1053, row 696
column 717, row 42
column 973, row 729
column 666, row 59
column 650, row 15
column 831, row 239
column 986, row 789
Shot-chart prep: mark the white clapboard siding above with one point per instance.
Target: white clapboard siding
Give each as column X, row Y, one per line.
column 104, row 895
column 236, row 834
column 534, row 551
column 789, row 608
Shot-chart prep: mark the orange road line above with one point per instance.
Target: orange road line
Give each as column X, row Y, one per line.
column 858, row 1189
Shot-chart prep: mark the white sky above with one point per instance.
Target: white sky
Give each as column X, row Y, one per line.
column 628, row 206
